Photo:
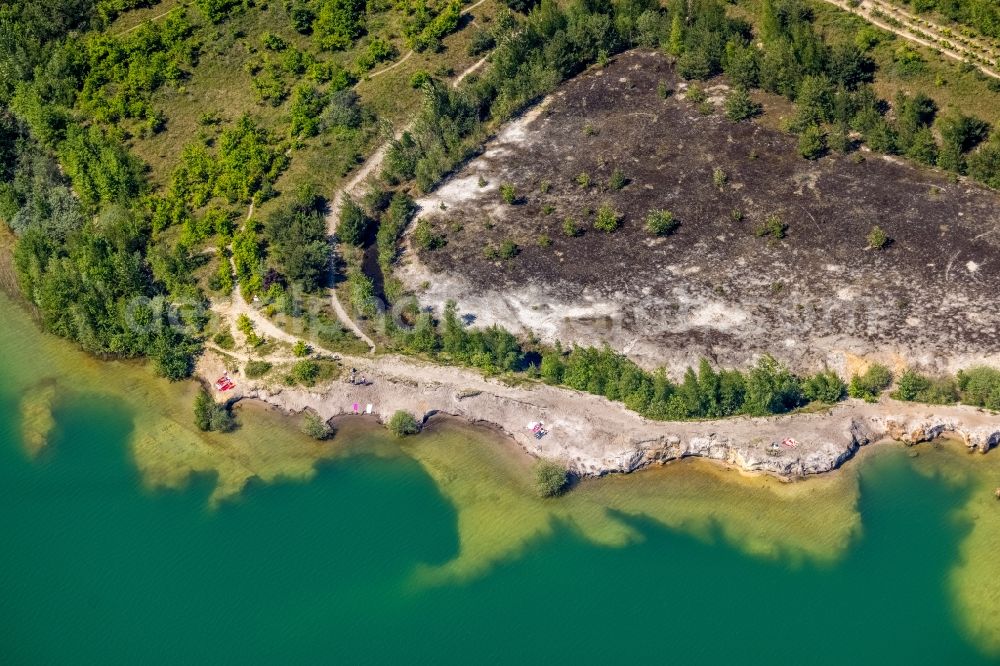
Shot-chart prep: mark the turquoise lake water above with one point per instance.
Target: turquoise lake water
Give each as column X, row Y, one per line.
column 95, row 567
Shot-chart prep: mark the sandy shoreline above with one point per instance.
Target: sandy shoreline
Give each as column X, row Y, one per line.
column 593, row 436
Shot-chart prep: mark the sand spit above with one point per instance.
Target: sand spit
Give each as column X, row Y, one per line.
column 593, row 436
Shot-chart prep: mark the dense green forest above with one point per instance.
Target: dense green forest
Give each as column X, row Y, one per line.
column 114, row 259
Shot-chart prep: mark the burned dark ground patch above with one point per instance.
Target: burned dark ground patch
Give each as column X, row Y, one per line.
column 713, row 287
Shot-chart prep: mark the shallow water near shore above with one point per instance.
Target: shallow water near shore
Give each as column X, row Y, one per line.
column 129, row 537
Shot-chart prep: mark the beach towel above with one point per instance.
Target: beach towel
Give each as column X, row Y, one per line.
column 368, row 409
column 356, row 408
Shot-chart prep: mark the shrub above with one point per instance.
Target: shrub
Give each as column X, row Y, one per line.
column 980, row 387
column 314, row 426
column 608, row 219
column 773, row 227
column 544, row 240
column 301, row 349
column 508, row 193
column 583, row 179
column 256, row 369
column 550, row 478
column 824, row 386
column 210, row 415
column 425, row 237
column 482, row 41
column 244, row 325
column 719, row 177
column 812, row 143
column 305, row 372
column 420, row 79
column 225, row 340
column 739, row 106
column 508, row 249
column 379, row 50
column 915, row 387
column 617, row 180
column 571, row 228
column 869, row 386
column 695, row 94
column 877, row 238
column 273, row 42
column 402, row 424
column 353, row 225
column 661, row 222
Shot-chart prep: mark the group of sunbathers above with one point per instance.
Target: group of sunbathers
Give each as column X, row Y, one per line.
column 356, row 380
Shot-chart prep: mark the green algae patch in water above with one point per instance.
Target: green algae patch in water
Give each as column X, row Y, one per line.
column 165, row 445
column 499, row 515
column 37, row 421
column 974, row 580
column 266, row 448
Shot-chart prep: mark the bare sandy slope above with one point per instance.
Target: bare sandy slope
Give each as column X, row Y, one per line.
column 819, row 296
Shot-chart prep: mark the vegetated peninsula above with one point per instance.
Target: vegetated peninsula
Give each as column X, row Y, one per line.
column 658, row 230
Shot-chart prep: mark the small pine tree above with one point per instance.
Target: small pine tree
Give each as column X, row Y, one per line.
column 353, row 225
column 877, row 238
column 402, row 424
column 812, row 142
column 617, row 180
column 550, row 478
column 740, row 106
column 719, row 177
column 773, row 227
column 571, row 228
column 314, row 426
column 508, row 193
column 608, row 219
column 661, row 222
column 675, row 44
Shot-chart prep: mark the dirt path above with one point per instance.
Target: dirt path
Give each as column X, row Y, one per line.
column 353, row 188
column 151, row 18
column 391, row 67
column 476, row 65
column 926, row 33
column 409, row 53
